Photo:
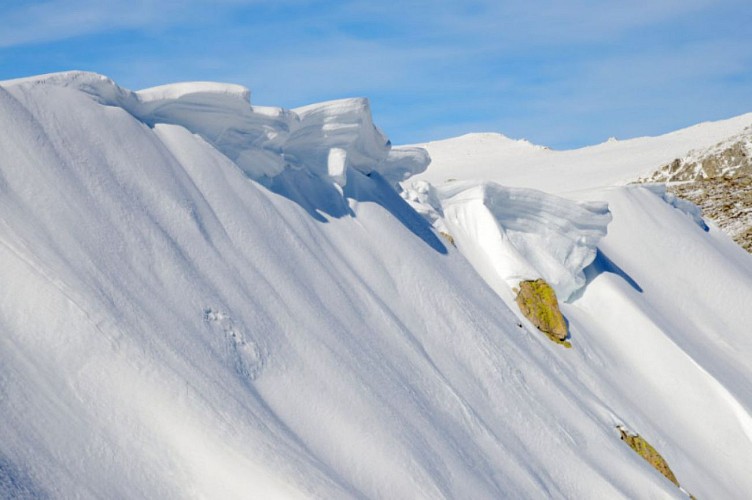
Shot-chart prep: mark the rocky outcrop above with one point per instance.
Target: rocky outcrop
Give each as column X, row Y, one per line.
column 647, row 452
column 725, row 201
column 731, row 158
column 537, row 302
column 719, row 181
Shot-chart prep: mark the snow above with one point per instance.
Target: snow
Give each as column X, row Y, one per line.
column 204, row 299
column 518, row 163
column 263, row 141
column 662, row 311
column 684, row 206
column 517, row 234
column 679, row 321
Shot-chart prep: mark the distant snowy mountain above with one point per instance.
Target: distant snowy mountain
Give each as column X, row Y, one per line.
column 517, row 163
column 203, row 298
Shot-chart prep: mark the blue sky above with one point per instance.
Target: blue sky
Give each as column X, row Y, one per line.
column 559, row 73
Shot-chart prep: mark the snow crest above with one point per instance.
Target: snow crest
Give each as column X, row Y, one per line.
column 516, row 233
column 687, row 207
column 324, row 139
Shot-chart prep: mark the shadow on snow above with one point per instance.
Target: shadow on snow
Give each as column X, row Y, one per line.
column 320, row 197
column 602, row 264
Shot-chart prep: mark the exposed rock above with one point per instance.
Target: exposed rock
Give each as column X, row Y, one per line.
column 448, row 237
column 719, row 181
column 726, row 201
column 537, row 301
column 730, row 159
column 646, row 451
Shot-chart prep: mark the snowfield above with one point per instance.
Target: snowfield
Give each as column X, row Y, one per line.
column 518, row 163
column 208, row 299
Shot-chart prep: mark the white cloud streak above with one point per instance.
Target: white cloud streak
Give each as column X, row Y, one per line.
column 54, row 20
column 543, row 69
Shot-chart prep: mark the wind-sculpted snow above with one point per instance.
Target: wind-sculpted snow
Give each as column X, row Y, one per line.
column 334, row 135
column 519, row 234
column 171, row 327
column 325, row 138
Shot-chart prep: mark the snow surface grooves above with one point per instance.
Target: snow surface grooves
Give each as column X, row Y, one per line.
column 639, row 336
column 175, row 327
column 16, row 483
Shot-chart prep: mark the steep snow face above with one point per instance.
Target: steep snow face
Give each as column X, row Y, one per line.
column 640, row 320
column 493, row 157
column 664, row 315
column 334, row 135
column 174, row 328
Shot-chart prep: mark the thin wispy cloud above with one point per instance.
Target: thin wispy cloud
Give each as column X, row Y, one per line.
column 27, row 22
column 558, row 73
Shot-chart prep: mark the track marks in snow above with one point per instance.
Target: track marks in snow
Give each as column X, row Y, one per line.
column 241, row 349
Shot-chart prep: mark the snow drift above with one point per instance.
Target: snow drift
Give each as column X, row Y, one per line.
column 516, row 234
column 195, row 306
column 324, row 138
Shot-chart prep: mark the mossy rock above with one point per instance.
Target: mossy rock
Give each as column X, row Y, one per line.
column 537, row 301
column 646, row 451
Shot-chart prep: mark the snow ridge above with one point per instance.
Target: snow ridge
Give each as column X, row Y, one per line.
column 493, row 157
column 324, row 139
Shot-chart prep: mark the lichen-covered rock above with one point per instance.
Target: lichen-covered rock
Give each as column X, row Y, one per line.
column 537, row 301
column 646, row 451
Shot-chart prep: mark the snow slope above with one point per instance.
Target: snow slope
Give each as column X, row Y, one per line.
column 205, row 299
column 662, row 299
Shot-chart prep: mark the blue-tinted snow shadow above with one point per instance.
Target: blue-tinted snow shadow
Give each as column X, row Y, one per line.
column 569, row 331
column 315, row 195
column 321, row 198
column 16, row 482
column 602, row 264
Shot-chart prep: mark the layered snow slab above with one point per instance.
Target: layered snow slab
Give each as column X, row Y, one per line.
column 516, row 234
column 518, row 163
column 173, row 328
column 325, row 138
